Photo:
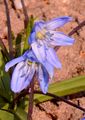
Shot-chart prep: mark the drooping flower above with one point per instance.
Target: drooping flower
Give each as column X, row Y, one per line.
column 25, row 70
column 44, row 38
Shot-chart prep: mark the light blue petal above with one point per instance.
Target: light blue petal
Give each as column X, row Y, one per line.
column 38, row 26
column 49, row 68
column 83, row 118
column 52, row 58
column 60, row 39
column 27, row 55
column 39, row 51
column 57, row 22
column 43, row 78
column 13, row 62
column 21, row 77
column 32, row 37
column 31, row 56
column 29, row 75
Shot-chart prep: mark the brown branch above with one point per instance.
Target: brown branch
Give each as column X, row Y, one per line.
column 31, row 99
column 62, row 99
column 77, row 28
column 74, row 30
column 51, row 95
column 9, row 30
column 25, row 14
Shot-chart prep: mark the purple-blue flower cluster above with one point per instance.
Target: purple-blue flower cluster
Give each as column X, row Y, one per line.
column 41, row 58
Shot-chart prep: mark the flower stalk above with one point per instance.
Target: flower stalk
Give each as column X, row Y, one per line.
column 31, row 97
column 9, row 30
column 25, row 14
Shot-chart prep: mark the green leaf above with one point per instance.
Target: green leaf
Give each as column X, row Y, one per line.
column 19, row 44
column 4, row 81
column 2, row 102
column 4, row 50
column 21, row 114
column 4, row 115
column 66, row 87
column 28, row 31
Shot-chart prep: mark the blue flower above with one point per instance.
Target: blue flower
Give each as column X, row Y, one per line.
column 83, row 118
column 44, row 38
column 24, row 71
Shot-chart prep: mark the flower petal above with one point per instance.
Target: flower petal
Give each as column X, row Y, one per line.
column 43, row 78
column 13, row 62
column 31, row 56
column 29, row 76
column 57, row 22
column 60, row 39
column 38, row 26
column 21, row 77
column 49, row 68
column 39, row 51
column 52, row 58
column 83, row 118
column 32, row 37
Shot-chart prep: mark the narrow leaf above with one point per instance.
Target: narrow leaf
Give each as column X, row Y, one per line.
column 66, row 87
column 28, row 31
column 4, row 115
column 4, row 81
column 21, row 114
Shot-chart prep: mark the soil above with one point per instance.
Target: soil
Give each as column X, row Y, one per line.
column 72, row 57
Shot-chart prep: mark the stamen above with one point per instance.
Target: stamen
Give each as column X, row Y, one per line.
column 41, row 34
column 29, row 63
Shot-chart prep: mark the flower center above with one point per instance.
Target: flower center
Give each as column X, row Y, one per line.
column 44, row 34
column 41, row 34
column 29, row 63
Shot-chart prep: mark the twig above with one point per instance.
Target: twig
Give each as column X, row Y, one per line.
column 77, row 28
column 74, row 30
column 51, row 95
column 31, row 97
column 25, row 14
column 62, row 99
column 9, row 30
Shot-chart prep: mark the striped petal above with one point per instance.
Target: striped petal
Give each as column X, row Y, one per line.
column 21, row 77
column 38, row 26
column 52, row 58
column 60, row 39
column 13, row 62
column 31, row 56
column 43, row 78
column 39, row 51
column 57, row 22
column 49, row 67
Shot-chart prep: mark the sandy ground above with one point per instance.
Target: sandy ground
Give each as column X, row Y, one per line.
column 73, row 63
